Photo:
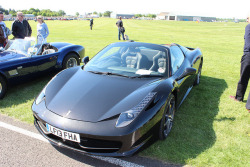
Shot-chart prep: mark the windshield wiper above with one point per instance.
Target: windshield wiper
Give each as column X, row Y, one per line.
column 146, row 76
column 97, row 72
column 109, row 73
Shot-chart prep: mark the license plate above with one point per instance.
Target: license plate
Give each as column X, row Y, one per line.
column 63, row 134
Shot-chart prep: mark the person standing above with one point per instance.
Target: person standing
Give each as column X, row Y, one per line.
column 119, row 24
column 20, row 27
column 3, row 35
column 245, row 66
column 42, row 30
column 91, row 21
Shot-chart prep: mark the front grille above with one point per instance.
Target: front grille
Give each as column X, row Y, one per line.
column 87, row 142
column 95, row 145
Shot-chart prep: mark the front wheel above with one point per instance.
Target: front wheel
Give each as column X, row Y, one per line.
column 71, row 60
column 167, row 119
column 3, row 87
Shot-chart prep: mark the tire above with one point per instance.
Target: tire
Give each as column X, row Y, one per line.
column 3, row 87
column 71, row 60
column 197, row 80
column 167, row 119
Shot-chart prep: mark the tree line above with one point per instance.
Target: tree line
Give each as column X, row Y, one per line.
column 36, row 12
column 49, row 13
column 147, row 15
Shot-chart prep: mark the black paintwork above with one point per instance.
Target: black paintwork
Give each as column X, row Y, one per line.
column 80, row 101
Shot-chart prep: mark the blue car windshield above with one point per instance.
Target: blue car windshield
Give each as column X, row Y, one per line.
column 22, row 46
column 130, row 59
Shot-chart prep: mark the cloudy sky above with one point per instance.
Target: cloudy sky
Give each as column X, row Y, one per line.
column 213, row 8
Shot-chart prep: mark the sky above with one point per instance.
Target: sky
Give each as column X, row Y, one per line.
column 210, row 8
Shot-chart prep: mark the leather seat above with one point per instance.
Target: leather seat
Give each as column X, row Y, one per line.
column 132, row 58
column 159, row 63
column 48, row 51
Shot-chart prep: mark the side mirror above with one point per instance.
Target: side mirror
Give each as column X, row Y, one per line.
column 187, row 72
column 85, row 60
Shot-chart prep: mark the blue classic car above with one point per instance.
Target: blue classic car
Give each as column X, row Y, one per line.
column 23, row 59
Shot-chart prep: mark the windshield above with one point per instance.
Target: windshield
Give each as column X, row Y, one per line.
column 23, row 46
column 130, row 59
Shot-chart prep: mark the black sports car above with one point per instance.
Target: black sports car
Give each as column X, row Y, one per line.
column 118, row 100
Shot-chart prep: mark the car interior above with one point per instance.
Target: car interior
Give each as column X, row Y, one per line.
column 45, row 49
column 143, row 59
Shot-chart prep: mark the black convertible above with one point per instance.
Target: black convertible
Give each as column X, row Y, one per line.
column 118, row 100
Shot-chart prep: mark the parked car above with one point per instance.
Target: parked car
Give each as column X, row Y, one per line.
column 118, row 100
column 23, row 59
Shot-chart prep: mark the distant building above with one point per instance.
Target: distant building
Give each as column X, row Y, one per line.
column 176, row 17
column 124, row 16
column 29, row 15
column 7, row 17
column 162, row 16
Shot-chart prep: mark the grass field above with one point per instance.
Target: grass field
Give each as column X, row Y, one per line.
column 210, row 129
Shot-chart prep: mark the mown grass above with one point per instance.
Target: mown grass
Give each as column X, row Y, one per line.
column 210, row 129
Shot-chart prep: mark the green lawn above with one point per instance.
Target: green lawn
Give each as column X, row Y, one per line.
column 210, row 129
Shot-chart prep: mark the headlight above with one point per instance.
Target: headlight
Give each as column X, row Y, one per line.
column 127, row 117
column 40, row 97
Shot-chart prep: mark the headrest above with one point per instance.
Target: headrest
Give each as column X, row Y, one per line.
column 133, row 50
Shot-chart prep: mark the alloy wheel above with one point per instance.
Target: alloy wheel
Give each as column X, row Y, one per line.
column 72, row 62
column 169, row 117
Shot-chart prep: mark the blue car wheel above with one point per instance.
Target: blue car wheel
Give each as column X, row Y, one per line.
column 3, row 87
column 71, row 60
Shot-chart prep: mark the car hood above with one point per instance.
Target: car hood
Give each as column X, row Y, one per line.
column 9, row 55
column 92, row 97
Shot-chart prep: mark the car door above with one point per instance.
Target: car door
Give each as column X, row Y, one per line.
column 45, row 63
column 19, row 70
column 178, row 66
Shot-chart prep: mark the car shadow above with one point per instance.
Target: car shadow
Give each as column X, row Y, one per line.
column 192, row 132
column 112, row 161
column 83, row 158
column 25, row 91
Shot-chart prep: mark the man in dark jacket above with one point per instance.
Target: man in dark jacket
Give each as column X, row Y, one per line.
column 119, row 24
column 20, row 27
column 245, row 66
column 91, row 22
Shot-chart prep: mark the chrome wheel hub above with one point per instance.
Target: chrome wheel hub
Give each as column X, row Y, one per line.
column 169, row 117
column 72, row 62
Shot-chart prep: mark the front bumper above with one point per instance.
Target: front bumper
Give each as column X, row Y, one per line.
column 101, row 138
column 89, row 145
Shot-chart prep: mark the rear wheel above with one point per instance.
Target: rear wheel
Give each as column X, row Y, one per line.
column 3, row 87
column 71, row 60
column 197, row 80
column 167, row 119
